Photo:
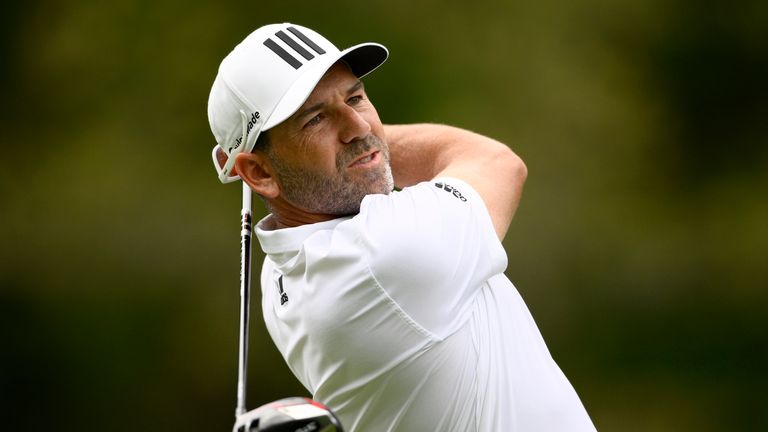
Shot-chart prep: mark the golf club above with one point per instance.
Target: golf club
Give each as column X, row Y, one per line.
column 295, row 414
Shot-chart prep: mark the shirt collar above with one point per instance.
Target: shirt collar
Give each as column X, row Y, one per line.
column 289, row 239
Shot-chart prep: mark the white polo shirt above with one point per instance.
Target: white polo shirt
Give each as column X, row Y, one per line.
column 401, row 319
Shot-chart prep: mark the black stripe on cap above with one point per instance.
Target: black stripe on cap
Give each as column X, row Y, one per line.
column 306, row 40
column 295, row 45
column 277, row 49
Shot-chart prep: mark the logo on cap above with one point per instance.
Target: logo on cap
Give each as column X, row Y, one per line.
column 255, row 116
column 294, row 45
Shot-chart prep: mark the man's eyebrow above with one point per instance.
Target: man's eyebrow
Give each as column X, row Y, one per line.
column 303, row 112
column 357, row 86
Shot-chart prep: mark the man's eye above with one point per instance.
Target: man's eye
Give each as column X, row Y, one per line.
column 354, row 100
column 314, row 121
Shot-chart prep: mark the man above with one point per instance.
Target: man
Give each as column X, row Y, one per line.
column 391, row 307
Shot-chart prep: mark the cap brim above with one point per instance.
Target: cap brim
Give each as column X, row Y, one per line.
column 362, row 60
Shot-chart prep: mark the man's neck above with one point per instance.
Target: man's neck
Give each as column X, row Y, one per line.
column 286, row 215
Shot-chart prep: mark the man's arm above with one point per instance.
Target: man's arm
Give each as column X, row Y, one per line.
column 422, row 152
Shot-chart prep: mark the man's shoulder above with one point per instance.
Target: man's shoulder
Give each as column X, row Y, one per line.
column 434, row 196
column 421, row 226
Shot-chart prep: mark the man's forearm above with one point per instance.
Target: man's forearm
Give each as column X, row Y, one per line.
column 420, row 151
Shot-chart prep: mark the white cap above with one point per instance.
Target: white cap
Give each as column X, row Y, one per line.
column 266, row 78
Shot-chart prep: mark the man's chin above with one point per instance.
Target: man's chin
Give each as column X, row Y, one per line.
column 381, row 181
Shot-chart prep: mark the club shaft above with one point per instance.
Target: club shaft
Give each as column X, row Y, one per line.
column 245, row 288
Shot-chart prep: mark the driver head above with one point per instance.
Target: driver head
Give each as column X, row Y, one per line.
column 294, row 414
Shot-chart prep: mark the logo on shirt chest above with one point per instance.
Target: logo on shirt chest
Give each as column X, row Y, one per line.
column 281, row 291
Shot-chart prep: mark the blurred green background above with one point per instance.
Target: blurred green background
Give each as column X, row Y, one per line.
column 641, row 244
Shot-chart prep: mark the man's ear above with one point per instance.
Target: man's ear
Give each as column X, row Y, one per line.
column 256, row 170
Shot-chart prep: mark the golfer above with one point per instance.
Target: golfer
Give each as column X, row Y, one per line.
column 383, row 285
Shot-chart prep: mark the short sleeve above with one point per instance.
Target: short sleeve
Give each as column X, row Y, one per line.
column 431, row 247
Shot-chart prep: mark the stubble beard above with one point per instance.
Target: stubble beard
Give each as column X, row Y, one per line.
column 341, row 194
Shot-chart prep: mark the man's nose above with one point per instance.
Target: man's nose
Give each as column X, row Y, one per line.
column 355, row 126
